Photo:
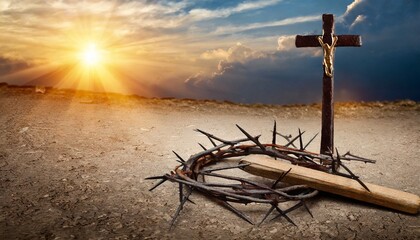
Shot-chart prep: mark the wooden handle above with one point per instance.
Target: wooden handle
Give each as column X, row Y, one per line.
column 268, row 167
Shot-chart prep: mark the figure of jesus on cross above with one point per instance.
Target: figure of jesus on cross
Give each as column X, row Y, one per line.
column 328, row 41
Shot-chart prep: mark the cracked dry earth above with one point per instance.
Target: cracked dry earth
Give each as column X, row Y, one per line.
column 73, row 167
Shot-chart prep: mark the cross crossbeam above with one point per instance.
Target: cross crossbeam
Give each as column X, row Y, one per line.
column 343, row 41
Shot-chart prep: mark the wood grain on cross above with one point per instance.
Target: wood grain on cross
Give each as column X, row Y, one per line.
column 327, row 132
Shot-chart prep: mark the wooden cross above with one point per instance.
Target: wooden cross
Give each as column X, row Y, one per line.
column 328, row 41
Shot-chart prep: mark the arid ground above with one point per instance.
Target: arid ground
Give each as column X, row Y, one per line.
column 73, row 165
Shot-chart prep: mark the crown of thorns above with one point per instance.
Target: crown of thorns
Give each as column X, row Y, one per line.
column 191, row 174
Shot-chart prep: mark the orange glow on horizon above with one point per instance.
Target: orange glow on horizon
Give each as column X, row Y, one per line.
column 90, row 63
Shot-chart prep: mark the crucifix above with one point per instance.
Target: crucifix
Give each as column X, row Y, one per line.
column 328, row 41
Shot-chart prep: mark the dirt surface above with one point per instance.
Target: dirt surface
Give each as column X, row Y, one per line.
column 73, row 166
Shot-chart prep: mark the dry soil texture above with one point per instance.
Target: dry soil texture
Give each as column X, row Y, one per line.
column 73, row 165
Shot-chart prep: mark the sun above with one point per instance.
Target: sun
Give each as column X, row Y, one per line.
column 91, row 56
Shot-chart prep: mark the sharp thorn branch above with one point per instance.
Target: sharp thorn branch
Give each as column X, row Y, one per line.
column 287, row 138
column 354, row 176
column 255, row 140
column 307, row 208
column 294, row 139
column 180, row 207
column 282, row 175
column 180, row 158
column 201, row 145
column 212, row 142
column 211, row 136
column 267, row 214
column 294, row 207
column 158, row 184
column 300, row 140
column 310, row 141
column 274, row 133
column 155, row 177
column 237, row 212
column 284, row 215
column 182, row 163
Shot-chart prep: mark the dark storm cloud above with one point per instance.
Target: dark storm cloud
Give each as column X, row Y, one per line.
column 249, row 76
column 10, row 65
column 387, row 67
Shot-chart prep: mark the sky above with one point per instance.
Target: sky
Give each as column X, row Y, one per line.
column 240, row 51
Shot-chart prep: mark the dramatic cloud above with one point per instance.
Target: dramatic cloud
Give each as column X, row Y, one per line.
column 205, row 14
column 247, row 75
column 359, row 19
column 284, row 22
column 351, row 6
column 229, row 59
column 373, row 16
column 10, row 65
column 286, row 43
column 214, row 54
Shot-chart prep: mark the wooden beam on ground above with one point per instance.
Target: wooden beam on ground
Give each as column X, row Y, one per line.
column 267, row 167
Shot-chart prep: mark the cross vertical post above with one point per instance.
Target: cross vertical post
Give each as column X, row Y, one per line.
column 328, row 41
column 327, row 131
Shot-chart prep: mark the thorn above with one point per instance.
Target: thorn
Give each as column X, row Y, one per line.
column 357, row 158
column 287, row 138
column 282, row 175
column 274, row 133
column 255, row 140
column 210, row 136
column 294, row 139
column 338, row 156
column 281, row 213
column 204, row 148
column 292, row 208
column 178, row 210
column 189, row 194
column 334, row 167
column 155, row 177
column 267, row 214
column 158, row 184
column 300, row 140
column 212, row 142
column 182, row 163
column 239, row 213
column 330, row 150
column 310, row 141
column 307, row 209
column 180, row 158
column 189, row 200
column 354, row 176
